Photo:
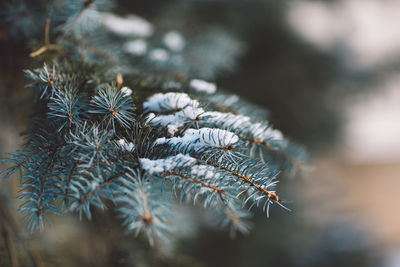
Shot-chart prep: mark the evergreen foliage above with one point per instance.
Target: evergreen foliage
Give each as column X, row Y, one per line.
column 123, row 115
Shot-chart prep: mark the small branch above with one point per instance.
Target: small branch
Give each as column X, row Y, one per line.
column 44, row 49
column 255, row 140
column 69, row 179
column 100, row 186
column 216, row 189
column 47, row 44
column 235, row 219
column 120, row 80
column 47, row 32
column 22, row 163
column 271, row 195
column 43, row 180
column 146, row 217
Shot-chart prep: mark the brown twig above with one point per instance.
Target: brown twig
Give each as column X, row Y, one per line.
column 247, row 179
column 216, row 189
column 47, row 32
column 255, row 140
column 47, row 45
column 120, row 80
column 146, row 217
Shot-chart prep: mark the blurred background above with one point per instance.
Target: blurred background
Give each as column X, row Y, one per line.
column 329, row 73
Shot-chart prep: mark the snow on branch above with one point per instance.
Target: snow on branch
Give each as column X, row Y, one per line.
column 131, row 25
column 169, row 102
column 259, row 132
column 200, row 139
column 166, row 164
column 203, row 86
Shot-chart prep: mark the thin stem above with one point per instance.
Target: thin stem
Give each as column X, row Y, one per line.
column 146, row 217
column 216, row 189
column 47, row 32
column 69, row 179
column 120, row 80
column 100, row 186
column 255, row 140
column 247, row 179
column 47, row 45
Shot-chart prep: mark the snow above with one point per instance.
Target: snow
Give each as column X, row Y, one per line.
column 167, row 164
column 205, row 172
column 260, row 131
column 150, row 117
column 130, row 25
column 225, row 120
column 241, row 123
column 93, row 185
column 231, row 100
column 185, row 108
column 172, row 129
column 136, row 47
column 126, row 91
column 168, row 102
column 129, row 147
column 199, row 139
column 203, row 86
column 174, row 41
column 159, row 54
column 178, row 119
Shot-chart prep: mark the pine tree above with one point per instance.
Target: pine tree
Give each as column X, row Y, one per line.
column 127, row 113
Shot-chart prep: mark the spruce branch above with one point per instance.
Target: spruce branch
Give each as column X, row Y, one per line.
column 124, row 119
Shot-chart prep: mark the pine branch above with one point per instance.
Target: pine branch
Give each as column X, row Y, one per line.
column 125, row 118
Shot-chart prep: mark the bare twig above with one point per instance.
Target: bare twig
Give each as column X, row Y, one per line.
column 47, row 45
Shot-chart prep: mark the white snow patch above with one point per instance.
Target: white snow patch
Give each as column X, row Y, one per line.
column 129, row 147
column 126, row 91
column 259, row 130
column 167, row 164
column 159, row 54
column 136, row 47
column 150, row 117
column 198, row 139
column 203, row 86
column 169, row 102
column 205, row 172
column 130, row 25
column 231, row 100
column 174, row 41
column 93, row 185
column 178, row 119
column 172, row 129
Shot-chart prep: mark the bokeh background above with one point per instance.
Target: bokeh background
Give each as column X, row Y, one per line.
column 329, row 73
